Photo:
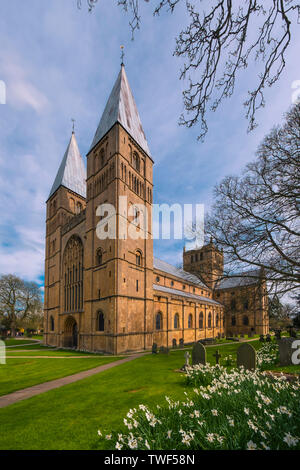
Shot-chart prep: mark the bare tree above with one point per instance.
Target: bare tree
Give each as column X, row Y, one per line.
column 221, row 38
column 256, row 217
column 18, row 300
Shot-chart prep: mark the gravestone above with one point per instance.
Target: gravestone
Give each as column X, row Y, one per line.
column 187, row 361
column 198, row 354
column 187, row 358
column 293, row 333
column 246, row 356
column 219, row 335
column 242, row 336
column 181, row 343
column 285, row 351
column 278, row 334
column 174, row 343
column 163, row 350
column 262, row 338
column 251, row 334
column 154, row 348
column 268, row 338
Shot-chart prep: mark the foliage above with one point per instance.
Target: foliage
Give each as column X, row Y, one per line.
column 19, row 301
column 234, row 410
column 220, row 40
column 255, row 218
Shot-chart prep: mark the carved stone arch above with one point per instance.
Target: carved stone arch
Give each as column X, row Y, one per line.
column 73, row 274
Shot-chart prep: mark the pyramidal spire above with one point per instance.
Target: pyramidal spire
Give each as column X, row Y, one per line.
column 72, row 172
column 121, row 108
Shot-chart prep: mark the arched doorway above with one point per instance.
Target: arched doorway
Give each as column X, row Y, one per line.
column 71, row 333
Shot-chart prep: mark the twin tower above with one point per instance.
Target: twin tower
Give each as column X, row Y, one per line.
column 98, row 292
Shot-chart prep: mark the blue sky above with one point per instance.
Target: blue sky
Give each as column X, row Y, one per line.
column 59, row 63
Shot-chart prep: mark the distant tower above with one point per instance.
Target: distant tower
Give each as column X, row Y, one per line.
column 206, row 262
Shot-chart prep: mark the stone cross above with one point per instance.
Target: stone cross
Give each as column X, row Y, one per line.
column 246, row 356
column 218, row 356
column 198, row 354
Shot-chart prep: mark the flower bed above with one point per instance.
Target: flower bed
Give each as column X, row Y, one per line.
column 235, row 409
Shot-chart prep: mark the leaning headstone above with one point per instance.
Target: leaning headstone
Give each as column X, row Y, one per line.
column 246, row 356
column 181, row 343
column 163, row 350
column 198, row 354
column 285, row 351
column 268, row 338
column 154, row 348
column 262, row 338
column 174, row 343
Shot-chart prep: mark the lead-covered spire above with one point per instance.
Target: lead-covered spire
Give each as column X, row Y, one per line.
column 121, row 108
column 72, row 172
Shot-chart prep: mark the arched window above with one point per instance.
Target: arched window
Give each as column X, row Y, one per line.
column 217, row 320
column 233, row 320
column 201, row 320
column 246, row 304
column 102, row 157
column 190, row 321
column 233, row 304
column 78, row 207
column 136, row 161
column 245, row 320
column 100, row 321
column 73, row 275
column 158, row 321
column 99, row 257
column 72, row 204
column 138, row 258
column 176, row 321
column 209, row 320
column 51, row 323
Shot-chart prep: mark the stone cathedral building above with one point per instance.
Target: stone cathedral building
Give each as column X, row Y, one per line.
column 112, row 294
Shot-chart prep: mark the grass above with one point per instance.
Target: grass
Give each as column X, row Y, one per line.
column 50, row 352
column 21, row 373
column 13, row 341
column 69, row 417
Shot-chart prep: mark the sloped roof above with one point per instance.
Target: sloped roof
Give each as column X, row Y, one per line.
column 121, row 108
column 246, row 278
column 169, row 290
column 170, row 269
column 72, row 172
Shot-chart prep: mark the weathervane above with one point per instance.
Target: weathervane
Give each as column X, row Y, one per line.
column 122, row 54
column 73, row 129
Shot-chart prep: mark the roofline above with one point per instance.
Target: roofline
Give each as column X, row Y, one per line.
column 187, row 294
column 182, row 279
column 63, row 186
column 138, row 145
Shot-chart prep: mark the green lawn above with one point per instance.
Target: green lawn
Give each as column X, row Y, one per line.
column 48, row 352
column 69, row 417
column 22, row 373
column 13, row 341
